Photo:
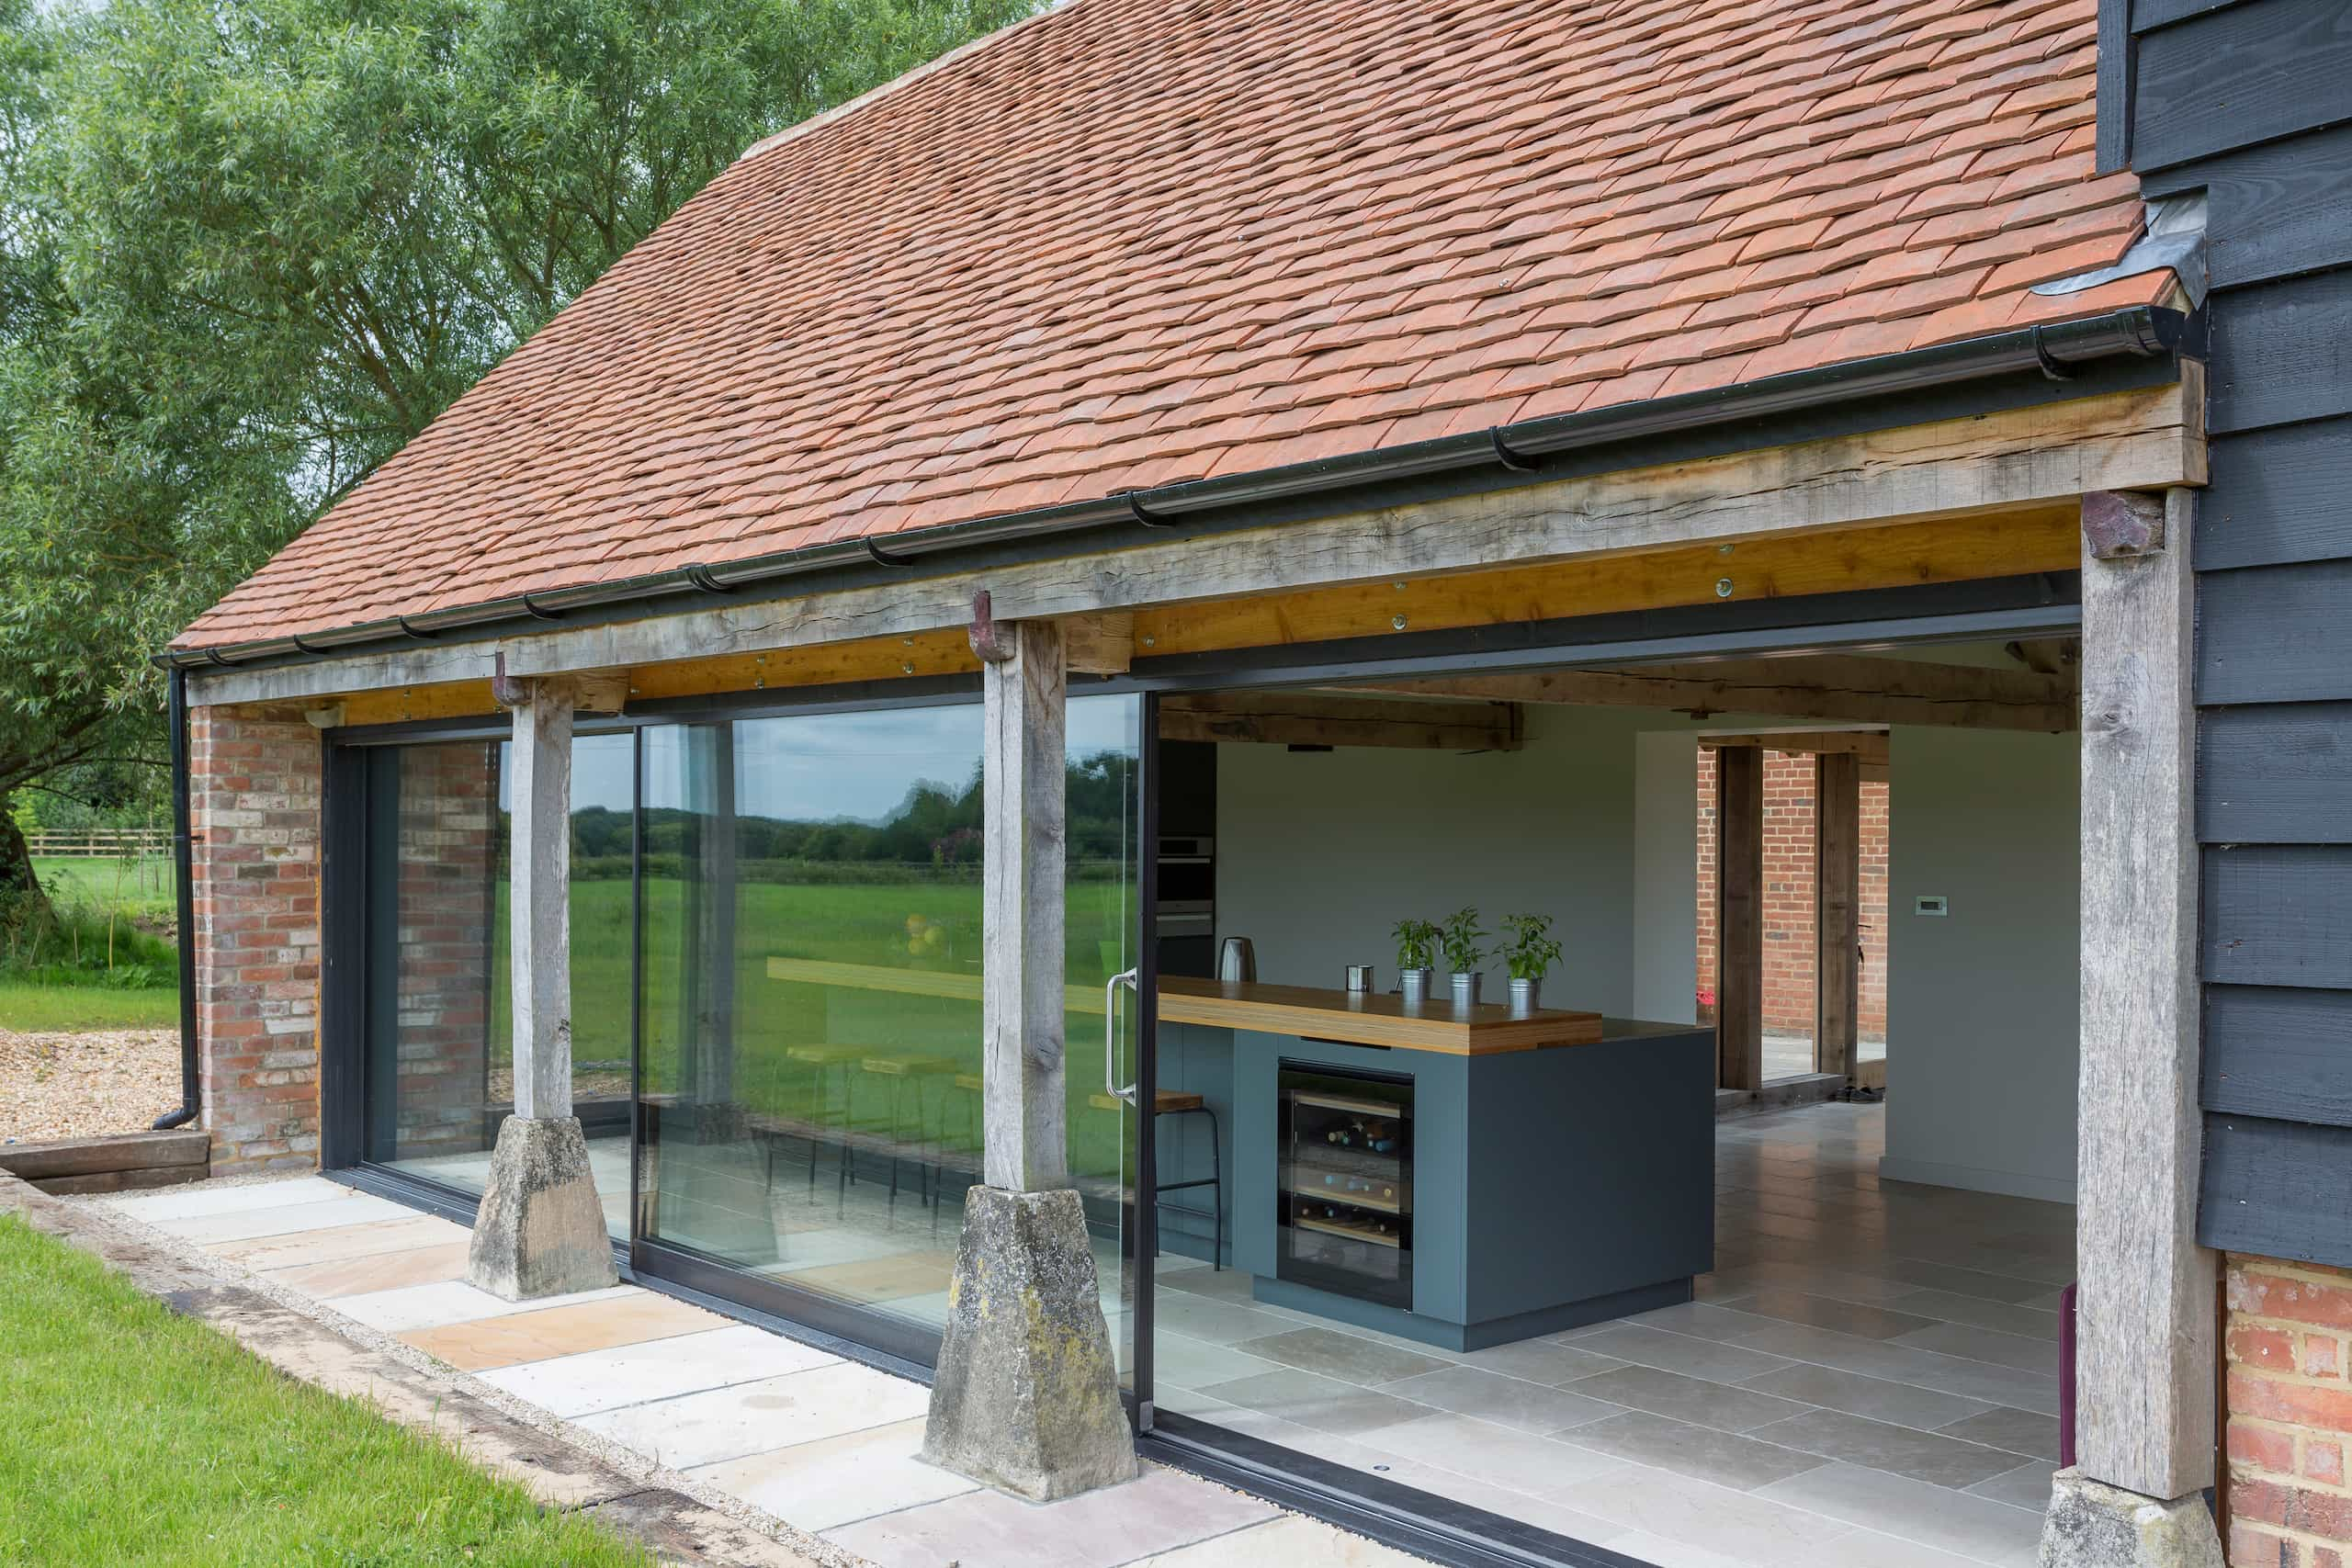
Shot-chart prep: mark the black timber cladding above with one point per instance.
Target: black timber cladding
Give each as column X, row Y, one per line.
column 2250, row 101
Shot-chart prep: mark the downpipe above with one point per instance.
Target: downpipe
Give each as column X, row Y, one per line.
column 183, row 867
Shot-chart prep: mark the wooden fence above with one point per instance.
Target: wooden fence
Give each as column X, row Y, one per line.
column 127, row 843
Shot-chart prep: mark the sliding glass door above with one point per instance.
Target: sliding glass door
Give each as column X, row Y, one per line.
column 438, row 1063
column 810, row 1004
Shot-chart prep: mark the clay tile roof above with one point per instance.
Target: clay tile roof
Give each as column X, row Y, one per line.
column 1129, row 242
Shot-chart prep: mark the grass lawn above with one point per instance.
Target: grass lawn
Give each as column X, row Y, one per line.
column 130, row 1437
column 141, row 889
column 59, row 1009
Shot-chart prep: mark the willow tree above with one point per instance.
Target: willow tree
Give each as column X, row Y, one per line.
column 249, row 247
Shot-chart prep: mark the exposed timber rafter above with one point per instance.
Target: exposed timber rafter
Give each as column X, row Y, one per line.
column 1286, row 719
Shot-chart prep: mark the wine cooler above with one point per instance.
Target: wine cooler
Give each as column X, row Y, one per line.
column 1344, row 1213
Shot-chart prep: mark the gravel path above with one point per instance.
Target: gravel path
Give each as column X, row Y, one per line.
column 81, row 1085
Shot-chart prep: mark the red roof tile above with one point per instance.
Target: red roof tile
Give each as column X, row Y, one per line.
column 1134, row 241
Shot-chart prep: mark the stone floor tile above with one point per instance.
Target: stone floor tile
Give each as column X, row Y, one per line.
column 1681, row 1353
column 1725, row 1406
column 242, row 1223
column 1879, row 1445
column 832, row 1482
column 1877, row 1398
column 1975, row 1343
column 1343, row 1356
column 1540, row 1360
column 337, row 1242
column 753, row 1417
column 2028, row 1487
column 510, row 1338
column 375, row 1271
column 1726, row 1459
column 592, row 1380
column 2019, row 1431
column 1157, row 1512
column 1500, row 1456
column 1313, row 1400
column 1290, row 1541
column 1839, row 1317
column 1506, row 1400
column 1197, row 1363
column 451, row 1301
column 1951, row 1521
column 224, row 1198
column 1947, row 1306
column 1741, row 1526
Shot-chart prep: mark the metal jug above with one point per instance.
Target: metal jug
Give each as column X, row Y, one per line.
column 1236, row 961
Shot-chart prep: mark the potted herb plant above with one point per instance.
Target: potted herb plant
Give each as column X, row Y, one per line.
column 1416, row 956
column 1529, row 951
column 1464, row 943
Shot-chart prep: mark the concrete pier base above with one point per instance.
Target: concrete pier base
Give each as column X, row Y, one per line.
column 2092, row 1525
column 540, row 1231
column 1026, row 1398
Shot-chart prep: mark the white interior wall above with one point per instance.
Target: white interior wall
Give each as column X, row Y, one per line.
column 1320, row 853
column 1982, row 1002
column 1666, row 876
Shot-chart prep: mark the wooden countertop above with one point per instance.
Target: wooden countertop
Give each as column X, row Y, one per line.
column 1354, row 1018
column 1374, row 1018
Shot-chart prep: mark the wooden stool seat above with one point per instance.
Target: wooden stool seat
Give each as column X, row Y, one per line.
column 825, row 1056
column 1168, row 1102
column 908, row 1066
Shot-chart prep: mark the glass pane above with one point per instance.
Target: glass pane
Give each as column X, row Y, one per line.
column 440, row 1031
column 811, row 997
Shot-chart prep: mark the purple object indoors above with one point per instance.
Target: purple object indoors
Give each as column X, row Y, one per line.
column 2067, row 1376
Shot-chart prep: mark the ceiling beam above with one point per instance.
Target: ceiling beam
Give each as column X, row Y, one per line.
column 1286, row 719
column 1868, row 745
column 1831, row 688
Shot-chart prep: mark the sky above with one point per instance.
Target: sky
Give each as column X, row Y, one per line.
column 824, row 767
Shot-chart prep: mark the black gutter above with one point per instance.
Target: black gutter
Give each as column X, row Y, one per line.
column 2057, row 351
column 183, row 859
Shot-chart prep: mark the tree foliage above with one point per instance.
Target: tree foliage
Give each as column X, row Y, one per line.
column 249, row 247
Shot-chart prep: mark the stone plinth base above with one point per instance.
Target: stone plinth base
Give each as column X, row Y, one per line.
column 2092, row 1525
column 1026, row 1398
column 541, row 1231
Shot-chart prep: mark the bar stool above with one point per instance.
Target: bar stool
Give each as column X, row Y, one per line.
column 905, row 1069
column 1175, row 1102
column 820, row 1059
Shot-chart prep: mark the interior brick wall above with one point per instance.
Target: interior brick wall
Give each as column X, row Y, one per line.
column 254, row 811
column 2288, row 1413
column 448, row 843
column 1790, row 953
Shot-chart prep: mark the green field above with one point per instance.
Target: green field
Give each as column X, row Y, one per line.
column 924, row 925
column 137, row 889
column 136, row 1437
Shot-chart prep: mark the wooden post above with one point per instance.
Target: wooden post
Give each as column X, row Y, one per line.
column 1739, row 916
column 540, row 899
column 1837, row 899
column 2146, row 1320
column 1022, row 998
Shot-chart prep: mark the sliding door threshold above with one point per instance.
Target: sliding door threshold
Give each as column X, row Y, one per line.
column 1404, row 1518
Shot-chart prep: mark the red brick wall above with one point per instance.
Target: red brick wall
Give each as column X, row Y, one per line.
column 253, row 808
column 448, row 804
column 2290, row 1413
column 1790, row 949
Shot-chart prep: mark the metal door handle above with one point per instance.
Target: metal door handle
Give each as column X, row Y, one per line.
column 1111, row 1035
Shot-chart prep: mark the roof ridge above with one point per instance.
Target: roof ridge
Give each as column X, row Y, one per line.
column 906, row 79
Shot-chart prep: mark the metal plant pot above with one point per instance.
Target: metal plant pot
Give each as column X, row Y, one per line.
column 1414, row 985
column 1525, row 996
column 1465, row 988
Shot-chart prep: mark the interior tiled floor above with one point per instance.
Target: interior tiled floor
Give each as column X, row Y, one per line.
column 1868, row 1376
column 827, row 1445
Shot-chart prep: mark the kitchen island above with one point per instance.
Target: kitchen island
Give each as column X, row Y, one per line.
column 1463, row 1179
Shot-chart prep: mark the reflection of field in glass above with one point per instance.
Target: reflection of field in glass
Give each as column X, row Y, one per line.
column 924, row 921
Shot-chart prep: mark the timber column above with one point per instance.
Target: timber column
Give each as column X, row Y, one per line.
column 2146, row 1304
column 1026, row 1397
column 540, row 1231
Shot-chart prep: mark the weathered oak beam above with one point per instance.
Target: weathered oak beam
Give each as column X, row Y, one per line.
column 1740, row 916
column 1293, row 720
column 1837, row 909
column 539, row 800
column 1832, row 688
column 1860, row 744
column 1022, row 997
column 2145, row 1318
